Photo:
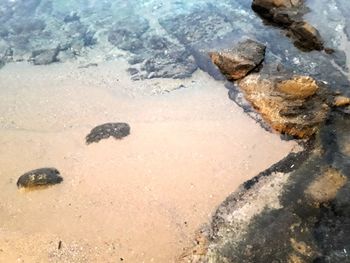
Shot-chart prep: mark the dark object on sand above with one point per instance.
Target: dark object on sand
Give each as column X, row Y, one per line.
column 117, row 130
column 45, row 56
column 40, row 177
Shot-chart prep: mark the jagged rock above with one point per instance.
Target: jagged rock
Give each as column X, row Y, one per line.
column 306, row 36
column 40, row 177
column 117, row 130
column 45, row 57
column 275, row 10
column 236, row 63
column 291, row 105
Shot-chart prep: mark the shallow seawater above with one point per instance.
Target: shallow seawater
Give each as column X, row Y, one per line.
column 142, row 198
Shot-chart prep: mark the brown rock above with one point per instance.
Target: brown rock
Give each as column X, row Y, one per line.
column 294, row 106
column 299, row 87
column 306, row 36
column 277, row 3
column 341, row 101
column 239, row 61
column 288, row 14
column 268, row 8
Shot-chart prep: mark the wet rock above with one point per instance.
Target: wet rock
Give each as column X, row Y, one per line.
column 88, row 38
column 158, row 43
column 45, row 57
column 117, row 130
column 325, row 188
column 306, row 36
column 40, row 177
column 201, row 25
column 293, row 105
column 127, row 34
column 27, row 26
column 299, row 87
column 271, row 9
column 236, row 63
column 341, row 101
column 300, row 215
column 288, row 15
column 71, row 17
column 176, row 64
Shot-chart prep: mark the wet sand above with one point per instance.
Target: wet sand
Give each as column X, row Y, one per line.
column 139, row 199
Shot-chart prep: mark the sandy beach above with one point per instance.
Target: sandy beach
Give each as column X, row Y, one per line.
column 140, row 199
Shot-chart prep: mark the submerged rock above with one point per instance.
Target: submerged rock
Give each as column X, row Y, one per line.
column 237, row 62
column 45, row 57
column 306, row 36
column 126, row 34
column 117, row 130
column 294, row 105
column 273, row 9
column 288, row 14
column 40, row 177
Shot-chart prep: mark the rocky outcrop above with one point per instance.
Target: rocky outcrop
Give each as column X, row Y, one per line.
column 239, row 61
column 293, row 105
column 117, row 130
column 288, row 14
column 295, row 215
column 39, row 177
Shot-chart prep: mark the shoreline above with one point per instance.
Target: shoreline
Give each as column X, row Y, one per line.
column 155, row 187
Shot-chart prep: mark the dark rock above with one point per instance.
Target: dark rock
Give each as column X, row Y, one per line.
column 174, row 64
column 45, row 57
column 89, row 38
column 28, row 26
column 40, row 177
column 135, row 60
column 281, row 12
column 197, row 27
column 306, row 36
column 288, row 14
column 133, row 71
column 236, row 63
column 104, row 131
column 126, row 34
column 158, row 43
column 71, row 17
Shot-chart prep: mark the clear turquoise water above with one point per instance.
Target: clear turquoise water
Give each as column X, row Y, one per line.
column 166, row 38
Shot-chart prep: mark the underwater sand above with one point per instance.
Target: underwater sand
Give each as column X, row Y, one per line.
column 139, row 199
